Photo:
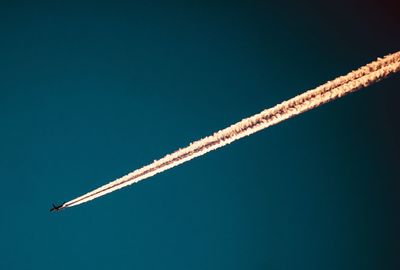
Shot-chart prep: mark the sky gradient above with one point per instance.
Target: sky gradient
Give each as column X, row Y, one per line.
column 92, row 91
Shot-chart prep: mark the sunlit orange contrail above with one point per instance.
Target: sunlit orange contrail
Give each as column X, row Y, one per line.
column 362, row 77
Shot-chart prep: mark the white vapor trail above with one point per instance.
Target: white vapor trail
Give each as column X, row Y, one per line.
column 355, row 80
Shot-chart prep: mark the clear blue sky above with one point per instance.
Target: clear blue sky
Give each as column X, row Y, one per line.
column 92, row 91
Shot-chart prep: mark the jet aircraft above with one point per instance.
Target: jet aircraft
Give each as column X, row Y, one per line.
column 57, row 208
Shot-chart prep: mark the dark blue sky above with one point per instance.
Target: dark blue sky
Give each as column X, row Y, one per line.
column 92, row 91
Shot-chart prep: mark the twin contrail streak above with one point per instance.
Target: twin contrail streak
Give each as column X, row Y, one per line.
column 355, row 80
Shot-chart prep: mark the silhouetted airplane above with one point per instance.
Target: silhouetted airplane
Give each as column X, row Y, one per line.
column 57, row 208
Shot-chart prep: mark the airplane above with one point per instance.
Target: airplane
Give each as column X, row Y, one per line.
column 57, row 208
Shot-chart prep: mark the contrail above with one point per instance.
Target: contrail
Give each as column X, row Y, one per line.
column 355, row 80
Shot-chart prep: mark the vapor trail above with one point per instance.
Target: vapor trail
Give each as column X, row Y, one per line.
column 362, row 77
